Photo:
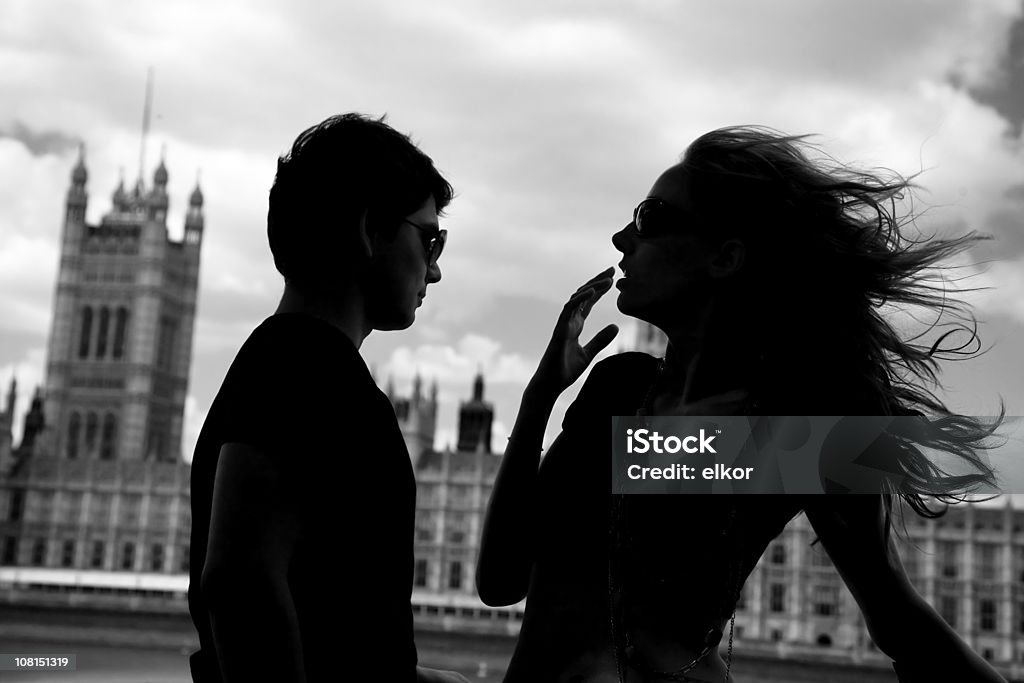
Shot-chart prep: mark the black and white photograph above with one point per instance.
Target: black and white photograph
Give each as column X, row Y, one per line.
column 535, row 342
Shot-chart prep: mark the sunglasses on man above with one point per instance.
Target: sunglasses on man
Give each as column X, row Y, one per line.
column 433, row 240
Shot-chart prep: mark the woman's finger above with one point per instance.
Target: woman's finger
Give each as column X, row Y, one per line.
column 577, row 299
column 599, row 290
column 600, row 340
column 604, row 274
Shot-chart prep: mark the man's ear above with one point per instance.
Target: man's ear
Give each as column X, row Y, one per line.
column 729, row 259
column 365, row 241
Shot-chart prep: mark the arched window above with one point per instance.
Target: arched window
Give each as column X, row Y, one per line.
column 120, row 330
column 91, row 424
column 101, row 341
column 74, row 433
column 83, row 342
column 109, row 437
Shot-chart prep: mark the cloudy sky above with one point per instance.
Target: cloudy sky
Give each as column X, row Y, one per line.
column 552, row 119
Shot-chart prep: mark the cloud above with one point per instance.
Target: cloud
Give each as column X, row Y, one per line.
column 39, row 143
column 460, row 363
column 1005, row 89
column 1001, row 289
column 552, row 120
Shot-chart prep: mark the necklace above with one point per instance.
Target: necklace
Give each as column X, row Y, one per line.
column 622, row 646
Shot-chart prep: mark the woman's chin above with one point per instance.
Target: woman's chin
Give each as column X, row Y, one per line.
column 628, row 305
column 623, row 306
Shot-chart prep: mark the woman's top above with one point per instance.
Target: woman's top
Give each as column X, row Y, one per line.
column 658, row 570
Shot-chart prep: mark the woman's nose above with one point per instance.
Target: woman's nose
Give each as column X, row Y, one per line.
column 623, row 239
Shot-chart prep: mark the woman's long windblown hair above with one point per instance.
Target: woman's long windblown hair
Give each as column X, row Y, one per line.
column 828, row 254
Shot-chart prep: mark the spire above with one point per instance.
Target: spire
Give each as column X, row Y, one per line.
column 160, row 175
column 77, row 197
column 417, row 385
column 33, row 423
column 433, row 391
column 196, row 200
column 146, row 111
column 194, row 216
column 79, row 175
column 478, row 385
column 120, row 196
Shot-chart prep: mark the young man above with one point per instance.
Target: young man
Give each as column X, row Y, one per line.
column 303, row 493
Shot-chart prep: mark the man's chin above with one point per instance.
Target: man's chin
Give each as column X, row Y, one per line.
column 395, row 324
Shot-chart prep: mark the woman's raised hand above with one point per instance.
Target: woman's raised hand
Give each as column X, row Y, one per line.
column 564, row 360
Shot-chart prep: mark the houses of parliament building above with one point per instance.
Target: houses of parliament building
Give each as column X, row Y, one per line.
column 96, row 491
column 94, row 500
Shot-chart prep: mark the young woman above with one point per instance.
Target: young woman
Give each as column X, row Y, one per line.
column 767, row 270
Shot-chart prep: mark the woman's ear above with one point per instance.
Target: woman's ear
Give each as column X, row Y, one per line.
column 728, row 259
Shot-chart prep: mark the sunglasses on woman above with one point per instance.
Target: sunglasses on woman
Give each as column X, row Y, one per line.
column 433, row 240
column 653, row 218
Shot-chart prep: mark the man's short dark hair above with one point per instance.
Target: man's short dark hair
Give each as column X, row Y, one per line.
column 334, row 171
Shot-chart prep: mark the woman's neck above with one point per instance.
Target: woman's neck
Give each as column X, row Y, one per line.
column 714, row 359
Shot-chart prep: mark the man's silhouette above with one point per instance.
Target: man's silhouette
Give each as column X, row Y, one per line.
column 303, row 493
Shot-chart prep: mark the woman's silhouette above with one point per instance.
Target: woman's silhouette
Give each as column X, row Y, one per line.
column 767, row 270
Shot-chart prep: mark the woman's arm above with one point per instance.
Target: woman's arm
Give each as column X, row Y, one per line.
column 902, row 624
column 506, row 546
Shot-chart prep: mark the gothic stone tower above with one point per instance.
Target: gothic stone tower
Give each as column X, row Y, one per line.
column 476, row 417
column 121, row 338
column 417, row 417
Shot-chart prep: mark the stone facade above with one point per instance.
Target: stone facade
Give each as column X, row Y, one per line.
column 97, row 491
column 120, row 343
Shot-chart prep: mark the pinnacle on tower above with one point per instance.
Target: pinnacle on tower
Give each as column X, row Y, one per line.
column 194, row 215
column 77, row 197
column 120, row 196
column 160, row 175
column 478, row 385
column 79, row 175
column 196, row 199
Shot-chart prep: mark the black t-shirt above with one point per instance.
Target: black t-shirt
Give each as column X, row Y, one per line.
column 299, row 391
